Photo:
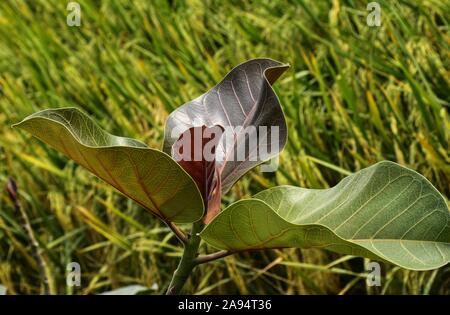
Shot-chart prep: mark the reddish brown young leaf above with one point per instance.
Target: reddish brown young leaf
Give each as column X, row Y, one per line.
column 195, row 151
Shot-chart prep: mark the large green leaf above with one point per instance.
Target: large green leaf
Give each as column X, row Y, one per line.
column 148, row 176
column 385, row 212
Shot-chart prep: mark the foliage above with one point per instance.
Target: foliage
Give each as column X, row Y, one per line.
column 356, row 95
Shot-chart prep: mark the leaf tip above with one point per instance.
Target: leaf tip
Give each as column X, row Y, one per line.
column 17, row 125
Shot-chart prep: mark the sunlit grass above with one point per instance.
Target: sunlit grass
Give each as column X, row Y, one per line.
column 354, row 95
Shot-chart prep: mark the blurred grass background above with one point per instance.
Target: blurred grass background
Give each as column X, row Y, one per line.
column 354, row 95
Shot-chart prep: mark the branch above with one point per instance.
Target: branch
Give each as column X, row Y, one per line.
column 214, row 256
column 37, row 251
column 224, row 253
column 179, row 233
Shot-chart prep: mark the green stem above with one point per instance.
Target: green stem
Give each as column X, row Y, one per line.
column 187, row 262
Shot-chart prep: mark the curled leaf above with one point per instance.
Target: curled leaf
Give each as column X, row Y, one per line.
column 245, row 104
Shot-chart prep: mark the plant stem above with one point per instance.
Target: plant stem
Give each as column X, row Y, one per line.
column 187, row 262
column 214, row 256
column 178, row 233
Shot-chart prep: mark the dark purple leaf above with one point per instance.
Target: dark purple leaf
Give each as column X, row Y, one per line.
column 243, row 98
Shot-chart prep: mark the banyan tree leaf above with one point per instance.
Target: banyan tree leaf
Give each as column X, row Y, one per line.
column 243, row 100
column 195, row 152
column 148, row 176
column 385, row 212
